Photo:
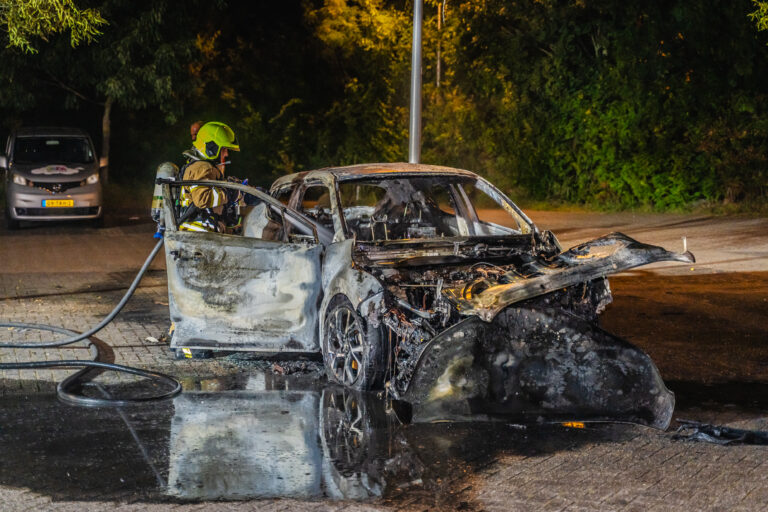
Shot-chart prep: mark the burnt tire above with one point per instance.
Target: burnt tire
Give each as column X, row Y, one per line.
column 352, row 352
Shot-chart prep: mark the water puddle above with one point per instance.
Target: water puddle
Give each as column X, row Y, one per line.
column 256, row 435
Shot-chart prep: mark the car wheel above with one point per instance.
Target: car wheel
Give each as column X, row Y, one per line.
column 352, row 353
column 10, row 223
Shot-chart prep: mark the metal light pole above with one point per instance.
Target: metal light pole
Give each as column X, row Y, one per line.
column 438, row 65
column 414, row 133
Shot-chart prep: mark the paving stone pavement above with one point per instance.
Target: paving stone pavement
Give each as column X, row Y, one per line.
column 123, row 341
column 638, row 469
column 647, row 472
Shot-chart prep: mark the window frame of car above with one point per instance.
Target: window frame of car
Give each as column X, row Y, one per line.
column 312, row 186
column 291, row 188
column 504, row 202
column 465, row 209
column 460, row 213
column 289, row 216
column 331, row 183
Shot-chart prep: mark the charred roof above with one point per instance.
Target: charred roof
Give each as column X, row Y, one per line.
column 352, row 172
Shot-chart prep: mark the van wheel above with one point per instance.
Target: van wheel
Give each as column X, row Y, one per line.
column 352, row 352
column 10, row 223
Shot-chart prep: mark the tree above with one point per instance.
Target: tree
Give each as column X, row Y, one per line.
column 338, row 92
column 26, row 20
column 760, row 14
column 619, row 104
column 140, row 61
column 367, row 45
column 630, row 104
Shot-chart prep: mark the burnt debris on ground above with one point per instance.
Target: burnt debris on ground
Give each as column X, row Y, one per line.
column 718, row 434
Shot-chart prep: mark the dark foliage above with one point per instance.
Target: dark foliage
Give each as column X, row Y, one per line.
column 620, row 104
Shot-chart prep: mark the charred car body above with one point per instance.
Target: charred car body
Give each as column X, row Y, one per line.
column 424, row 280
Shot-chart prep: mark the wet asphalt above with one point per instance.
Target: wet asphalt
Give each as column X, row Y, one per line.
column 258, row 436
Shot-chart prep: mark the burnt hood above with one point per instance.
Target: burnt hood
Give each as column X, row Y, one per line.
column 598, row 258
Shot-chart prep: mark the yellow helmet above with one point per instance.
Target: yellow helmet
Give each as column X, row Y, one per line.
column 212, row 137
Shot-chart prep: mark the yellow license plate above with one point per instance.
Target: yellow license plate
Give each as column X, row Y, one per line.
column 57, row 203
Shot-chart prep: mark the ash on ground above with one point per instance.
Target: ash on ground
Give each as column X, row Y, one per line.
column 277, row 366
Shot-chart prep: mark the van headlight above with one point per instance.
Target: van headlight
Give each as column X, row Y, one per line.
column 92, row 179
column 19, row 180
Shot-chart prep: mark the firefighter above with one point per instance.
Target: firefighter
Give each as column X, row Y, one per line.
column 191, row 155
column 207, row 159
column 194, row 128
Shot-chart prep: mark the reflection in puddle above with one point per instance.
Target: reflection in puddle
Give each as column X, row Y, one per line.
column 252, row 436
column 246, row 444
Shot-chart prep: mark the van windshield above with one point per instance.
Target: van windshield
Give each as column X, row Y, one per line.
column 52, row 150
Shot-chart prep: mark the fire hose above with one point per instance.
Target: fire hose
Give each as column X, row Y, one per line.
column 67, row 389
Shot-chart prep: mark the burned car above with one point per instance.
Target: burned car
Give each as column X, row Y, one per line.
column 424, row 281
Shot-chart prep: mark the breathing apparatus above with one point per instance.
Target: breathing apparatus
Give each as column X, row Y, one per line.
column 166, row 170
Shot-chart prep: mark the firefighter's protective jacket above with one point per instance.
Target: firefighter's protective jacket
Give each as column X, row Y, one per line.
column 206, row 199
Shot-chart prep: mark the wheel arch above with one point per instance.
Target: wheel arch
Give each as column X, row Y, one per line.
column 342, row 277
column 353, row 352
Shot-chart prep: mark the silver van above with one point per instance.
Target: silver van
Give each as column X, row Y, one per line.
column 51, row 174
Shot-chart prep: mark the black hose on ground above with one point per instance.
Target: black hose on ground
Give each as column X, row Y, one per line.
column 66, row 388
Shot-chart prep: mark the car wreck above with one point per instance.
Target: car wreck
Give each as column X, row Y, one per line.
column 424, row 281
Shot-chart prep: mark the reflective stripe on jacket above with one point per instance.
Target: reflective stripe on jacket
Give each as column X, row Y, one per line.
column 199, row 225
column 200, row 195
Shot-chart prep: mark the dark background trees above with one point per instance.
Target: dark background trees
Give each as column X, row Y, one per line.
column 658, row 104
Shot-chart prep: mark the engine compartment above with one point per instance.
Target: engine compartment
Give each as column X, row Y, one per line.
column 418, row 301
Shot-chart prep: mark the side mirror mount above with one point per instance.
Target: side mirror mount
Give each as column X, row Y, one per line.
column 549, row 242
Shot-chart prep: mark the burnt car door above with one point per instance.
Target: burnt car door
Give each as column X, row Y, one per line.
column 254, row 289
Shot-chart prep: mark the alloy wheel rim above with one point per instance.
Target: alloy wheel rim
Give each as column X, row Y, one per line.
column 345, row 346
